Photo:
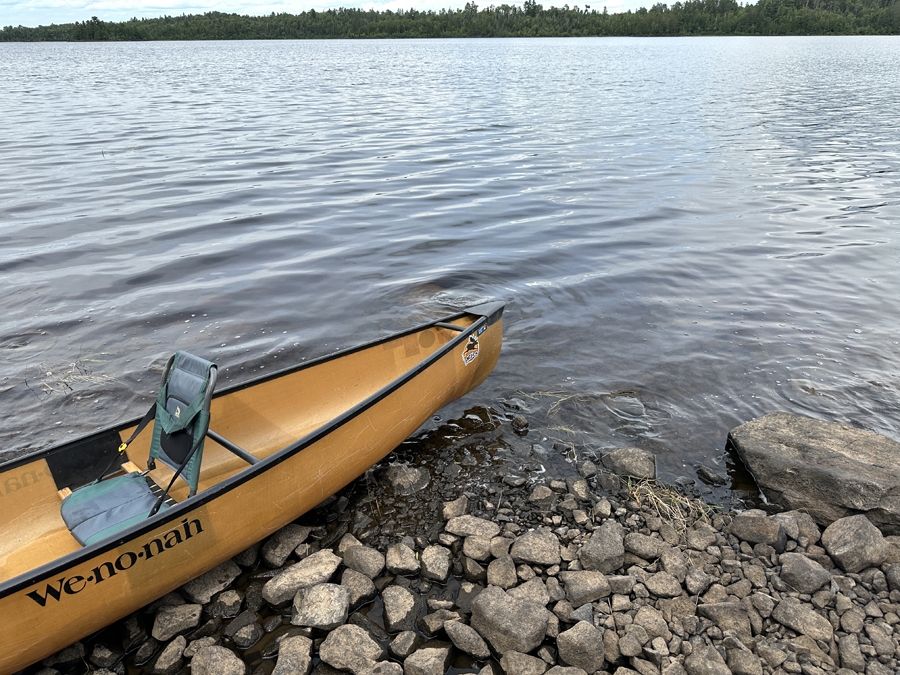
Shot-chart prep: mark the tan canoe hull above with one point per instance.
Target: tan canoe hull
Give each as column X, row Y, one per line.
column 50, row 607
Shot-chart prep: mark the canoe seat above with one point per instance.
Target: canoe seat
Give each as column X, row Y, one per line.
column 180, row 418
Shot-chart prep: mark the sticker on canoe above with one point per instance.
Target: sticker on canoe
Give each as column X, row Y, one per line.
column 73, row 585
column 470, row 351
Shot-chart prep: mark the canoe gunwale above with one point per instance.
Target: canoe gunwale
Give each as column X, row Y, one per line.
column 43, row 572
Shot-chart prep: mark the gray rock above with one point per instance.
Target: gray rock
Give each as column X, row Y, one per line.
column 405, row 643
column 432, row 659
column 642, row 546
column 564, row 670
column 249, row 556
column 584, row 587
column 467, row 639
column 705, row 660
column 743, row 662
column 170, row 621
column 280, row 545
column 542, row 498
column 631, row 462
column 509, row 624
column 759, row 529
column 727, row 616
column 663, row 585
column 477, row 548
column 893, row 577
column 248, row 635
column 855, row 543
column 350, row 648
column 653, row 622
column 436, row 563
column 674, row 562
column 294, row 656
column 170, row 658
column 383, row 668
column 323, row 606
column 502, row 572
column 795, row 615
column 203, row 588
column 405, row 480
column 226, row 605
column 315, row 569
column 430, row 624
column 851, row 656
column 532, row 590
column 582, row 647
column 466, row 526
column 697, row 581
column 536, row 547
column 216, row 660
column 400, row 609
column 196, row 645
column 401, row 560
column 455, row 509
column 605, row 550
column 103, row 657
column 365, row 560
column 359, row 586
column 802, row 574
column 516, row 663
column 826, row 469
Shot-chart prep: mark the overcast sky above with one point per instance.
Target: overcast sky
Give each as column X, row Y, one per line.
column 45, row 12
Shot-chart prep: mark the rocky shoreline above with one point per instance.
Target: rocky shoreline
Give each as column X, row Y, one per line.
column 592, row 574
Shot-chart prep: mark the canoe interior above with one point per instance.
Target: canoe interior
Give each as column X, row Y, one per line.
column 262, row 419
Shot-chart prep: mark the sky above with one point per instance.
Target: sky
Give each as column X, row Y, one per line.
column 46, row 12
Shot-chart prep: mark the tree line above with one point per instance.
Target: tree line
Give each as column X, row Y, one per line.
column 690, row 17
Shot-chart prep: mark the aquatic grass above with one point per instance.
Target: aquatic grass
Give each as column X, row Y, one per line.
column 674, row 508
column 72, row 377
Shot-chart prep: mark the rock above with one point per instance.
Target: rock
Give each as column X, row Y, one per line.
column 663, row 585
column 742, row 662
column 855, row 543
column 792, row 613
column 477, row 548
column 248, row 635
column 582, row 647
column 431, row 659
column 350, row 648
column 401, row 560
column 826, row 469
column 201, row 590
column 405, row 643
column 642, row 546
column 466, row 526
column 383, row 668
column 705, row 660
column 315, row 569
column 542, row 498
column 502, row 573
column 536, row 547
column 400, row 609
column 653, row 622
column 430, row 624
column 532, row 590
column 631, row 462
column 170, row 621
column 605, row 550
column 103, row 657
column 227, row 604
column 709, row 476
column 509, row 624
column 405, row 480
column 365, row 560
column 697, row 581
column 436, row 563
column 323, row 606
column 216, row 660
column 759, row 529
column 196, row 645
column 727, row 616
column 294, row 656
column 584, row 586
column 359, row 586
column 563, row 670
column 851, row 656
column 802, row 574
column 280, row 545
column 467, row 639
column 170, row 658
column 455, row 509
column 516, row 663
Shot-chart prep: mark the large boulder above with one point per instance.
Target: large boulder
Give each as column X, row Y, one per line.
column 827, row 469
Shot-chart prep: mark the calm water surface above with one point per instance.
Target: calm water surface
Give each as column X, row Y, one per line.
column 688, row 233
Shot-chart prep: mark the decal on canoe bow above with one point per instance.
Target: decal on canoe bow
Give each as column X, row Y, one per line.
column 470, row 351
column 109, row 568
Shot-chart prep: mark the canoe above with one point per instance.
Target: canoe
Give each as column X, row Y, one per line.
column 311, row 430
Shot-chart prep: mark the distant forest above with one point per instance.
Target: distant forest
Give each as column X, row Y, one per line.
column 692, row 17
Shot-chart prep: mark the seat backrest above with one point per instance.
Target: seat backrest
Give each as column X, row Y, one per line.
column 182, row 414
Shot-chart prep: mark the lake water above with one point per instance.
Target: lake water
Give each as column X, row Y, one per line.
column 689, row 233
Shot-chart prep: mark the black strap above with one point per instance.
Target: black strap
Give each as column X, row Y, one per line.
column 181, row 468
column 140, row 427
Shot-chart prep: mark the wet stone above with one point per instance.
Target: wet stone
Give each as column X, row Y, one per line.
column 227, row 604
column 400, row 608
column 365, row 560
column 350, row 648
column 323, row 606
column 281, row 544
column 431, row 659
column 631, row 462
column 516, row 663
column 467, row 639
column 456, row 508
column 401, row 560
column 294, row 656
column 536, row 547
column 436, row 563
column 170, row 621
column 248, row 635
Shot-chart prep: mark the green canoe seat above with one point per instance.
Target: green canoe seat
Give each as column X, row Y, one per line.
column 180, row 418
